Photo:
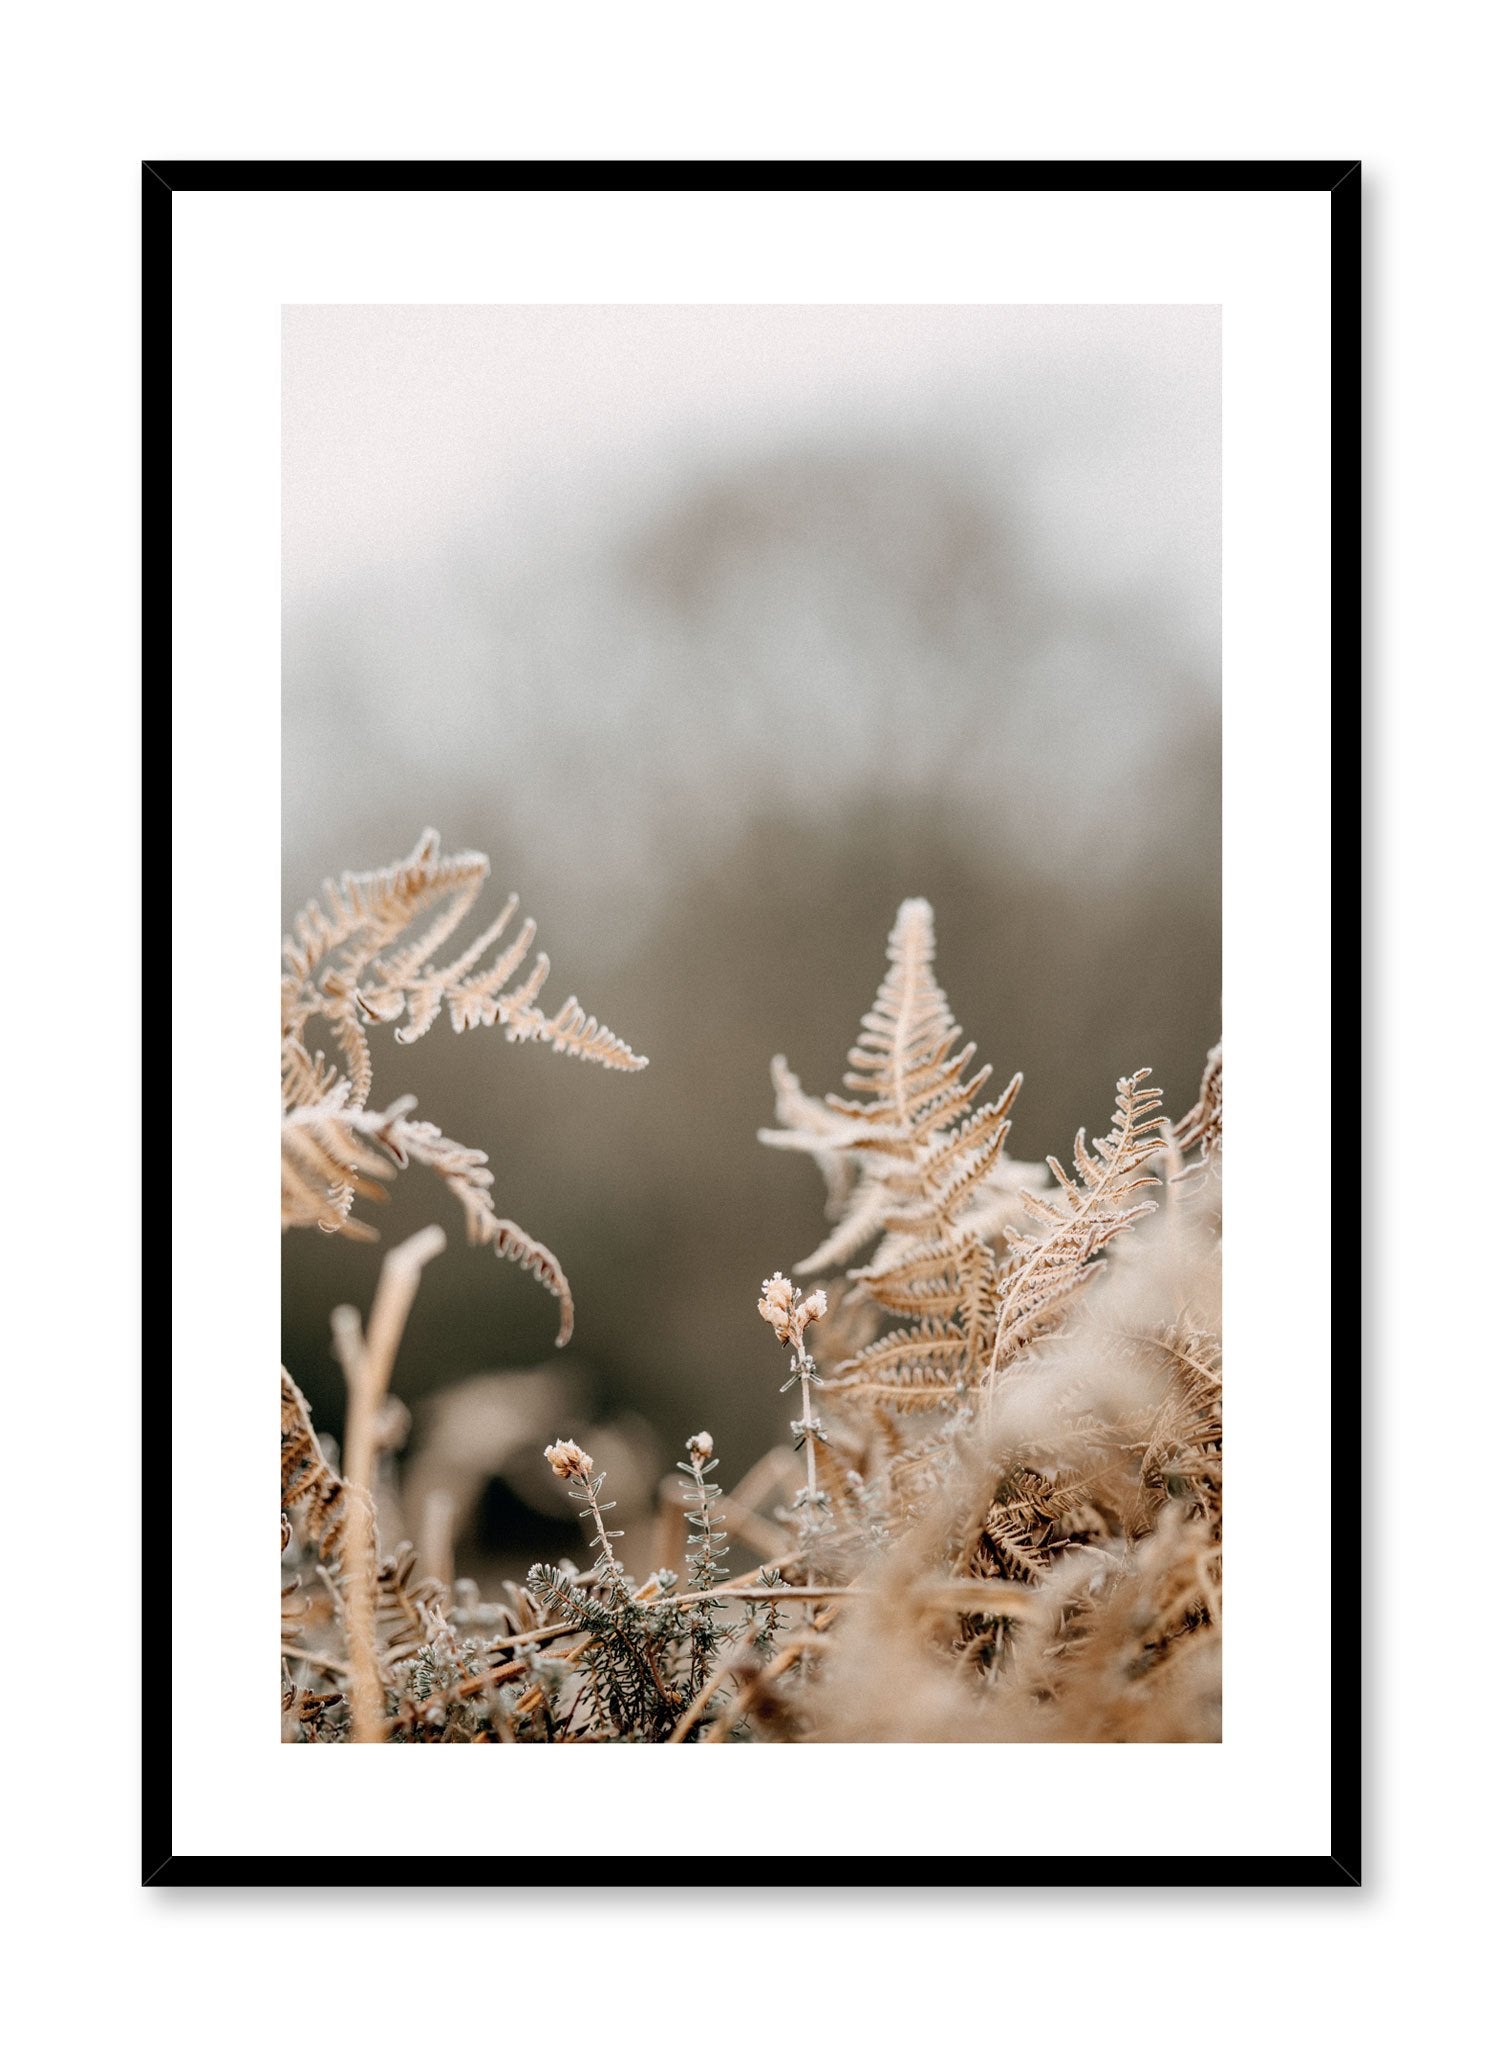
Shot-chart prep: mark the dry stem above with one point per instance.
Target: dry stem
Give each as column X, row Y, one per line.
column 367, row 1694
column 367, row 1361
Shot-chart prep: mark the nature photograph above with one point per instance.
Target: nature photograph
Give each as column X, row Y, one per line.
column 751, row 1024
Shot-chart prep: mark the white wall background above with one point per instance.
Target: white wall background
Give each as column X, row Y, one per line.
column 88, row 98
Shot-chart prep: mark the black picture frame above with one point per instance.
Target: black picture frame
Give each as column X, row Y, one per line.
column 161, row 180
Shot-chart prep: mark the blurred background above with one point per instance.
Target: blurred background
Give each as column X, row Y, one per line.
column 721, row 630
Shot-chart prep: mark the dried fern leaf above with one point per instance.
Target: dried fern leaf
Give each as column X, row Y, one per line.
column 926, row 1158
column 313, row 1494
column 1202, row 1125
column 405, row 1602
column 908, row 1156
column 349, row 943
column 1043, row 1271
column 362, row 957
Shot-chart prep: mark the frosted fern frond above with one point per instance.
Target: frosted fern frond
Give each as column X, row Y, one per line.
column 344, row 963
column 313, row 1494
column 1091, row 1207
column 363, row 956
column 1202, row 1125
column 913, row 1154
column 912, row 1163
column 916, row 1170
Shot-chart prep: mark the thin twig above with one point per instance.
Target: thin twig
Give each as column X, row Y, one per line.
column 295, row 1655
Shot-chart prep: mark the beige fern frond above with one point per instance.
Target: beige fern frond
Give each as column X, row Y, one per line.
column 913, row 1154
column 368, row 912
column 405, row 1601
column 919, row 1166
column 915, row 1160
column 326, row 1164
column 1202, row 1125
column 901, row 1393
column 343, row 963
column 361, row 957
column 1043, row 1271
column 927, row 1343
column 313, row 1494
column 1019, row 1534
column 909, row 1028
column 1179, row 1450
column 467, row 1175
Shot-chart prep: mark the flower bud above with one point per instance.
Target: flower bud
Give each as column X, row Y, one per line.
column 776, row 1306
column 568, row 1460
column 812, row 1309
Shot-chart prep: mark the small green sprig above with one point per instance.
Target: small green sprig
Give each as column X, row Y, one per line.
column 577, row 1469
column 708, row 1544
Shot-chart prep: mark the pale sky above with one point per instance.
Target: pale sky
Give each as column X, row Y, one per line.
column 407, row 427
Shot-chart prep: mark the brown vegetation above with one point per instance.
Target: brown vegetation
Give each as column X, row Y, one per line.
column 1002, row 1520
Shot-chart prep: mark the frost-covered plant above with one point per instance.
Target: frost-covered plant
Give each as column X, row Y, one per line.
column 790, row 1314
column 708, row 1544
column 1009, row 1522
column 577, row 1469
column 363, row 957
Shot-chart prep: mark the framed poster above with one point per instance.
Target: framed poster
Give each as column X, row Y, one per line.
column 878, row 628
